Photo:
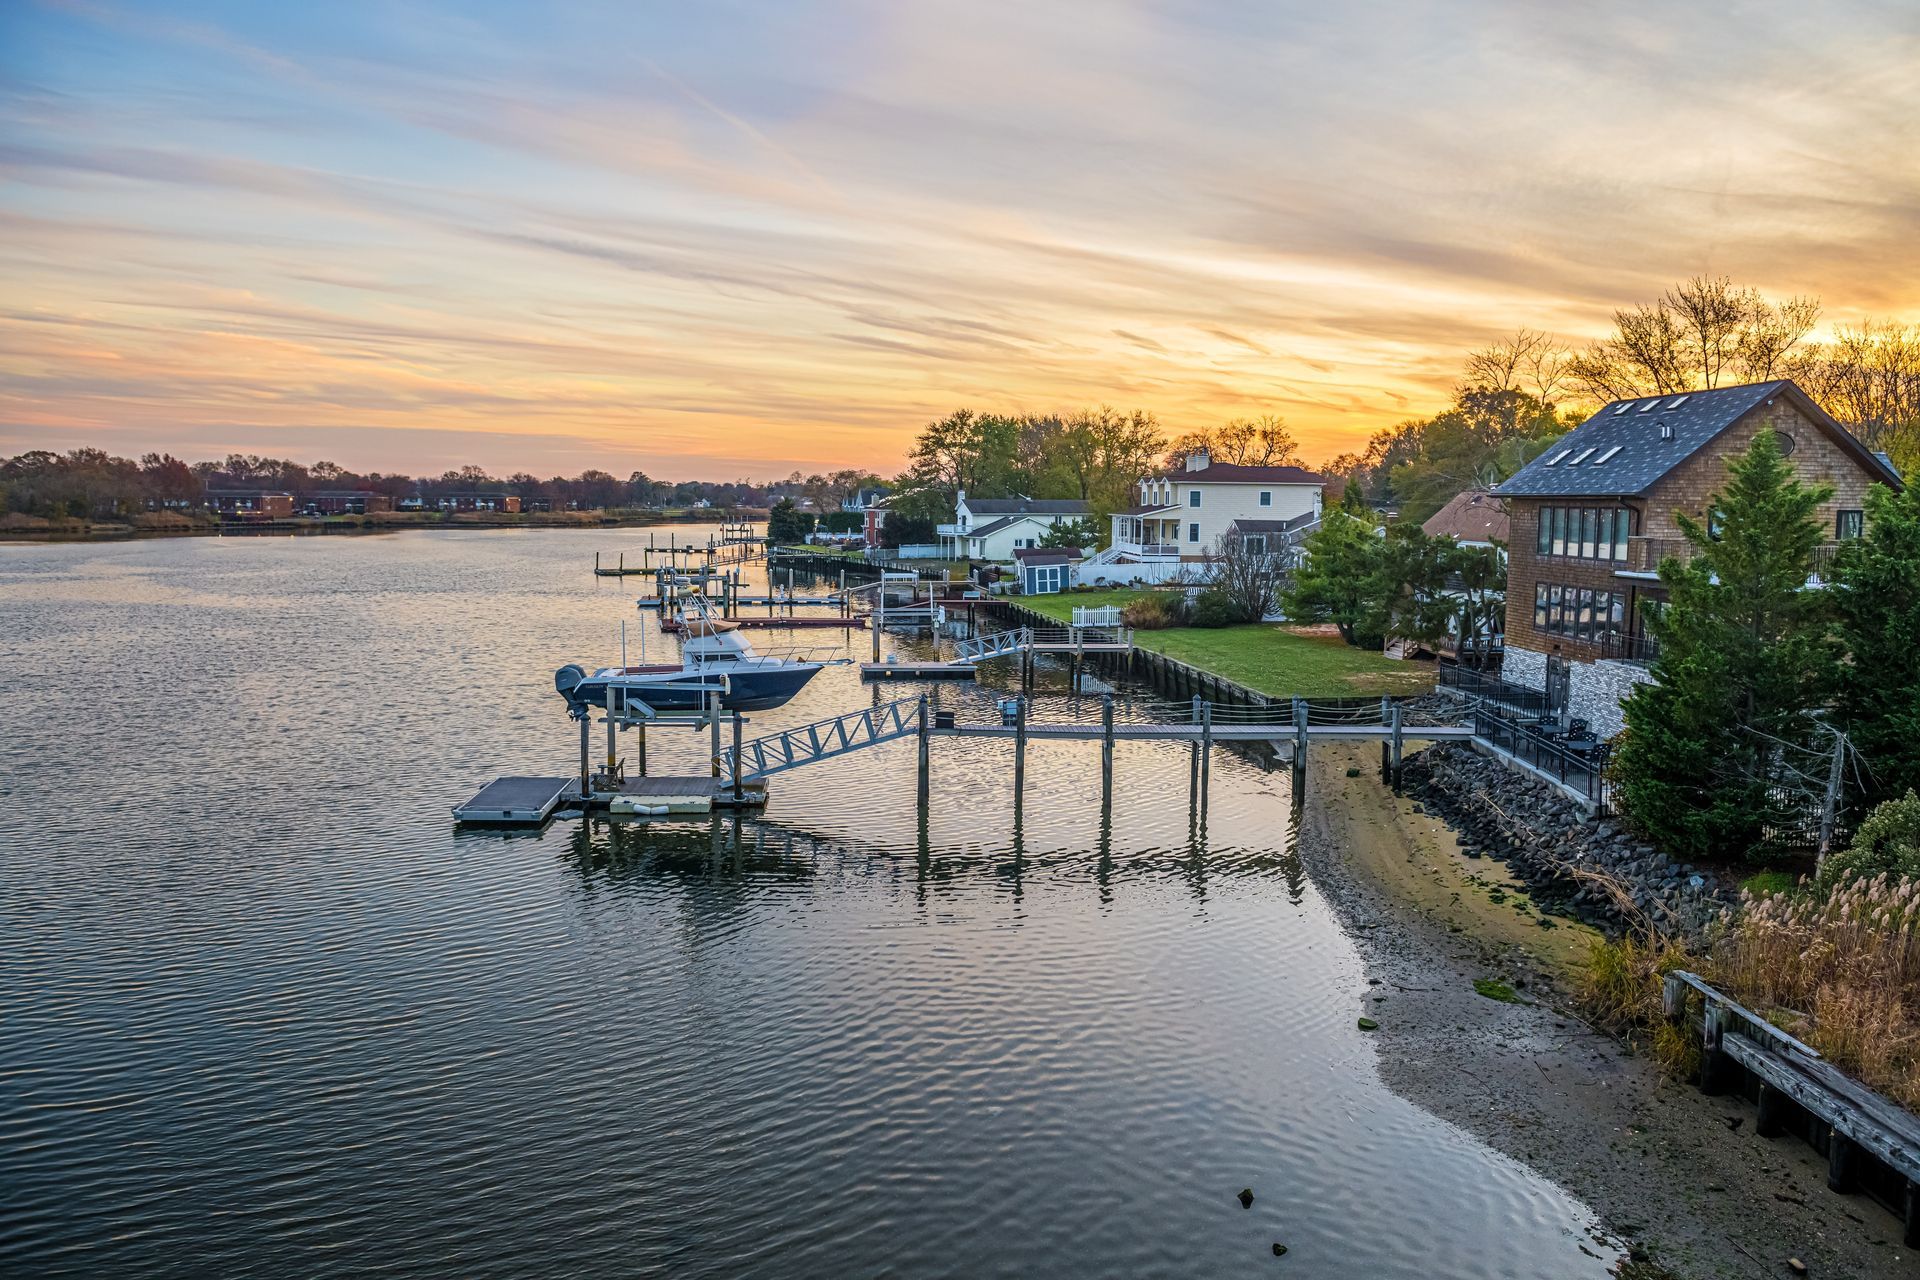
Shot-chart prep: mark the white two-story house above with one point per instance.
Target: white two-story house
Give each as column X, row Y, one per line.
column 1181, row 516
column 994, row 528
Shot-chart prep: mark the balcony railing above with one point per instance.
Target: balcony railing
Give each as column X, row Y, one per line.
column 1644, row 554
column 1149, row 550
column 1641, row 648
column 948, row 531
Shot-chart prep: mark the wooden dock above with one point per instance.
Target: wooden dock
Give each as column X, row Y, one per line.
column 855, row 622
column 719, row 791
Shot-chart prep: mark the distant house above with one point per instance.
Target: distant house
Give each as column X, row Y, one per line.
column 1473, row 518
column 1593, row 517
column 1045, row 571
column 994, row 528
column 348, row 502
column 1181, row 516
column 1279, row 540
column 265, row 504
column 458, row 502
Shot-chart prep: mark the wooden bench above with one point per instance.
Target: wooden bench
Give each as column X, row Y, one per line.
column 1857, row 1118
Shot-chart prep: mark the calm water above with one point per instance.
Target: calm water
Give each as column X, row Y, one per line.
column 264, row 1011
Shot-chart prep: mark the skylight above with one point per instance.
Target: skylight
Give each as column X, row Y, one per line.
column 1608, row 454
column 1676, row 402
column 1623, row 408
column 1557, row 458
column 1650, row 405
column 1580, row 457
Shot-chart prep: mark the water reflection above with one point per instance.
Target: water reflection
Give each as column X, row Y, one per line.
column 292, row 1022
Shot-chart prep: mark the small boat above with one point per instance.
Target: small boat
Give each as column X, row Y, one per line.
column 714, row 659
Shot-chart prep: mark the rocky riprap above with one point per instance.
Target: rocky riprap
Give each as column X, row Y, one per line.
column 1569, row 861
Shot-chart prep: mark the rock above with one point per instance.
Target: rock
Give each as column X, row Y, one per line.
column 1246, row 1197
column 1279, row 1250
column 1796, row 1266
column 1368, row 1024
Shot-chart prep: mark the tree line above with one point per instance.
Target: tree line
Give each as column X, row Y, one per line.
column 90, row 483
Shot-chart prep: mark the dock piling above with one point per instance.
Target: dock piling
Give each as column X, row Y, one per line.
column 736, row 757
column 926, row 753
column 1206, row 748
column 586, row 752
column 1019, row 754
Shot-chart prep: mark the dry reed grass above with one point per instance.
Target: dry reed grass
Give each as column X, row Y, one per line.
column 1840, row 971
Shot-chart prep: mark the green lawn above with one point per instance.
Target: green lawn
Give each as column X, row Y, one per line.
column 1270, row 659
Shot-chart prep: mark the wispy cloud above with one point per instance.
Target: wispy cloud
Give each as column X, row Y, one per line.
column 745, row 238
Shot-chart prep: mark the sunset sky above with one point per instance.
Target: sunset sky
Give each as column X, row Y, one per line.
column 731, row 239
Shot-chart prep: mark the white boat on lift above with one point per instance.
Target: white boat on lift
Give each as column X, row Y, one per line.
column 714, row 658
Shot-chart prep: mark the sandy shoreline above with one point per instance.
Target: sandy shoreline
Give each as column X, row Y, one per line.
column 1667, row 1169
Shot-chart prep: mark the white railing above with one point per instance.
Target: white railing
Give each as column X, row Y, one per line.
column 1149, row 550
column 948, row 530
column 1108, row 616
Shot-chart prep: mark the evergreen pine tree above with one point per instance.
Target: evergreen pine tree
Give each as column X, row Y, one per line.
column 1339, row 581
column 1876, row 596
column 1743, row 660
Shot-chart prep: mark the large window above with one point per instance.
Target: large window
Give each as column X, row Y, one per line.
column 1848, row 525
column 1584, row 533
column 1193, row 497
column 1578, row 613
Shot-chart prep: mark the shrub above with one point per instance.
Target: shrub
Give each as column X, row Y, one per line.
column 1217, row 609
column 1156, row 612
column 1887, row 841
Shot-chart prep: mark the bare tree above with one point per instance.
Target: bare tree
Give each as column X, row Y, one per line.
column 1250, row 579
column 1529, row 361
column 1691, row 338
column 1265, row 441
column 1869, row 378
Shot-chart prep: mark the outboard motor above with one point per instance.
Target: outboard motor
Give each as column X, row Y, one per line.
column 567, row 679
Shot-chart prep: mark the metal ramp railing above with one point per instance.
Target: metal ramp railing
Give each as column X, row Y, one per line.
column 821, row 740
column 999, row 644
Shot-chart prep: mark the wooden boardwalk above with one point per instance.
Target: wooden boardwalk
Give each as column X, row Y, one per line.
column 1850, row 1123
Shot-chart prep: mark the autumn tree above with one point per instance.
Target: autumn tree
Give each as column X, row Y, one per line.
column 1248, row 442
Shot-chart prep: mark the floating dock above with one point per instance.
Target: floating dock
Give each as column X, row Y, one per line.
column 518, row 800
column 918, row 671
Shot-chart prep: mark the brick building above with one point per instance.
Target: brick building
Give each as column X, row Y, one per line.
column 1592, row 518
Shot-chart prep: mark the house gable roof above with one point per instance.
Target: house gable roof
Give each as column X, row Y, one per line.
column 1046, row 555
column 1621, row 450
column 1028, row 506
column 995, row 526
column 1234, row 473
column 1473, row 515
column 1294, row 525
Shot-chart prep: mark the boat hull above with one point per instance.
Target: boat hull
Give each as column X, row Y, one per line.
column 748, row 688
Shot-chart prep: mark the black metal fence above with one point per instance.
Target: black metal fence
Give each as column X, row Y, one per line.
column 1479, row 684
column 1580, row 764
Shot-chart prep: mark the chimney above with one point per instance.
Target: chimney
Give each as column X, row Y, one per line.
column 1199, row 460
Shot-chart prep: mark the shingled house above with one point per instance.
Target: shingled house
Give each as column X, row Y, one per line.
column 1592, row 518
